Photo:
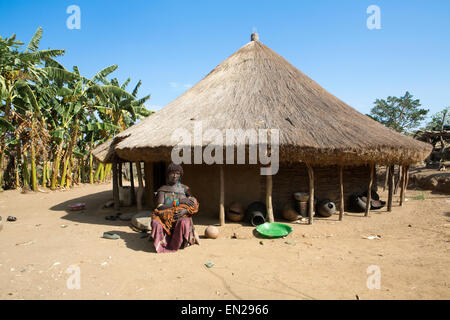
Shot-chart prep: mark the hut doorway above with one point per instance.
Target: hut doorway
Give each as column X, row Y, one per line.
column 159, row 174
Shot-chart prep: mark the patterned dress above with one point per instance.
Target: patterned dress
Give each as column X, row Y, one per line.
column 182, row 233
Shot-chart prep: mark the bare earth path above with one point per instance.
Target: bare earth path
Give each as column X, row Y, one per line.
column 328, row 260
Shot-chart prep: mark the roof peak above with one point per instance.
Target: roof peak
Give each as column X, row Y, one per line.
column 254, row 36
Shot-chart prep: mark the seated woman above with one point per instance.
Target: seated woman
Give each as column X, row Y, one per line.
column 172, row 226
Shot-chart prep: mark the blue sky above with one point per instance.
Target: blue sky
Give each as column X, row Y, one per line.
column 171, row 45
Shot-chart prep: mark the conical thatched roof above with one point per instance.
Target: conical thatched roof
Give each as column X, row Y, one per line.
column 257, row 88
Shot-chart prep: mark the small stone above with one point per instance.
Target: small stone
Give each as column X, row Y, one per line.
column 409, row 225
column 209, row 264
column 142, row 220
column 261, row 243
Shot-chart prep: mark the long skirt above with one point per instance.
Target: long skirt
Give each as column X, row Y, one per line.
column 181, row 236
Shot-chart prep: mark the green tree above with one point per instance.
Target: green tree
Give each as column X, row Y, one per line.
column 399, row 113
column 436, row 120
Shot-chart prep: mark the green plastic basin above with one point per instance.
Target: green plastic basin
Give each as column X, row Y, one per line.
column 274, row 230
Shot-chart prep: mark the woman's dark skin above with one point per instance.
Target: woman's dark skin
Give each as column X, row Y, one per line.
column 172, row 179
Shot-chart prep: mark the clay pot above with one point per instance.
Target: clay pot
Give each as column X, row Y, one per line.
column 303, row 208
column 301, row 196
column 236, row 212
column 326, row 208
column 256, row 213
column 289, row 213
column 374, row 204
column 212, row 232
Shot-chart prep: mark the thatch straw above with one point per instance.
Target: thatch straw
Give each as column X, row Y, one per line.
column 257, row 88
column 105, row 152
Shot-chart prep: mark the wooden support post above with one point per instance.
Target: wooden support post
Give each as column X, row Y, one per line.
column 404, row 184
column 269, row 198
column 140, row 190
column 311, row 193
column 390, row 188
column 441, row 161
column 115, row 186
column 369, row 190
column 341, row 187
column 132, row 191
column 406, row 180
column 402, row 187
column 386, row 178
column 120, row 174
column 150, row 184
column 222, row 197
column 399, row 178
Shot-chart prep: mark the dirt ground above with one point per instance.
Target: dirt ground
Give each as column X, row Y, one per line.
column 328, row 260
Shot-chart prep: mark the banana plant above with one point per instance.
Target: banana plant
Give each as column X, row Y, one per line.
column 51, row 116
column 18, row 70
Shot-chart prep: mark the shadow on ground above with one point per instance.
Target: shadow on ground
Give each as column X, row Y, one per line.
column 135, row 241
column 96, row 213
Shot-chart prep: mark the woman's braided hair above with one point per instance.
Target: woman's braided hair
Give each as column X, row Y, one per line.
column 174, row 167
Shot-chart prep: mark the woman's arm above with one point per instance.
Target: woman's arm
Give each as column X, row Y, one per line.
column 188, row 194
column 162, row 206
column 160, row 202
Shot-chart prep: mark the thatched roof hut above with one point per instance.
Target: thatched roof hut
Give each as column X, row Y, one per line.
column 256, row 88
